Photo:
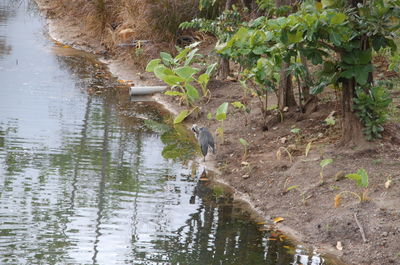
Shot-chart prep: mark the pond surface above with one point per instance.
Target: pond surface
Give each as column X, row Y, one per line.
column 88, row 177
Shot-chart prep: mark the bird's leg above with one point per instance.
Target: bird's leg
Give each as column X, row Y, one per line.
column 204, row 159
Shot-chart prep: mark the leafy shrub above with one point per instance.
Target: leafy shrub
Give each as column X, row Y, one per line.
column 372, row 109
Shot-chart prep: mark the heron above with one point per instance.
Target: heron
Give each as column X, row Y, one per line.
column 204, row 138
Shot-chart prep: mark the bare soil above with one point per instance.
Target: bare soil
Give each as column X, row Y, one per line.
column 275, row 183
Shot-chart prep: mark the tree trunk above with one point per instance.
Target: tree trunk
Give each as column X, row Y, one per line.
column 228, row 4
column 351, row 126
column 308, row 80
column 285, row 90
column 224, row 69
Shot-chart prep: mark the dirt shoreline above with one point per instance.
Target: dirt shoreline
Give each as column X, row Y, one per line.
column 263, row 180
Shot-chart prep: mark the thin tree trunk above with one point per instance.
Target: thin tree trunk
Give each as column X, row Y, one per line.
column 351, row 125
column 308, row 80
column 285, row 90
column 224, row 69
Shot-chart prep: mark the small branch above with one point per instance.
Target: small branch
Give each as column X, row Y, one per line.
column 361, row 228
column 329, row 46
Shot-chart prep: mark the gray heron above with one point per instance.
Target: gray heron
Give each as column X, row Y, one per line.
column 204, row 138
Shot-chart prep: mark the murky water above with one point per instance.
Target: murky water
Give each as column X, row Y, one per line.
column 91, row 178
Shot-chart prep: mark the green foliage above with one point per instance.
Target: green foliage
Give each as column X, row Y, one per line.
column 361, row 178
column 223, row 27
column 222, row 111
column 181, row 116
column 372, row 109
column 317, row 31
column 330, row 121
column 178, row 73
column 323, row 164
column 245, row 146
column 220, row 115
column 295, row 130
column 395, row 63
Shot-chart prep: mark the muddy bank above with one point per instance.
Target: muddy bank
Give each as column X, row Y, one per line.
column 276, row 177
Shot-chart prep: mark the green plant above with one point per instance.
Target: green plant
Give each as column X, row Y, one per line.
column 323, row 164
column 243, row 108
column 222, row 27
column 245, row 146
column 361, row 178
column 350, row 30
column 372, row 109
column 295, row 131
column 220, row 115
column 177, row 73
column 330, row 121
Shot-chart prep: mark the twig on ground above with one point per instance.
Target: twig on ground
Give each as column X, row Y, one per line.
column 361, row 228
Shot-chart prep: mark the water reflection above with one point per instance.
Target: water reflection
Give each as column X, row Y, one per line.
column 100, row 180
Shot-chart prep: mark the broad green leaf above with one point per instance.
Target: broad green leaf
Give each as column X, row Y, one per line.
column 355, row 177
column 186, row 72
column 203, row 79
column 173, row 80
column 339, row 18
column 221, row 112
column 182, row 54
column 152, row 64
column 335, row 38
column 173, row 93
column 364, row 177
column 327, row 3
column 210, row 69
column 294, row 37
column 166, row 58
column 243, row 142
column 325, row 162
column 161, row 71
column 192, row 92
column 181, row 116
column 238, row 105
column 191, row 56
column 295, row 130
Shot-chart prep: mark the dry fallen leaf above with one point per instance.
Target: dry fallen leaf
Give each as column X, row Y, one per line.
column 279, row 154
column 203, row 179
column 388, row 183
column 271, row 238
column 261, row 223
column 339, row 245
column 338, row 200
column 278, row 219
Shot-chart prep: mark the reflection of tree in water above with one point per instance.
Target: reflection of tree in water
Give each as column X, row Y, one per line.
column 6, row 12
column 220, row 233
